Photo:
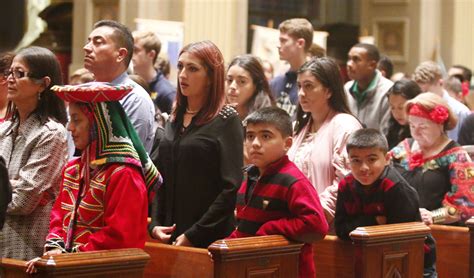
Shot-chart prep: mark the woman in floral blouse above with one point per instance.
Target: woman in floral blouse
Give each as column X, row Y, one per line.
column 436, row 166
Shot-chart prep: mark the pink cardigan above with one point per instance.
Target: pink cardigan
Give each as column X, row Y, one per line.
column 329, row 162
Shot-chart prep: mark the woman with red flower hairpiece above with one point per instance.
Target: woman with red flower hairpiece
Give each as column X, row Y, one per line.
column 436, row 166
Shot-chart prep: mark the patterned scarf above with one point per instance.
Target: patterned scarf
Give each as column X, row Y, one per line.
column 114, row 140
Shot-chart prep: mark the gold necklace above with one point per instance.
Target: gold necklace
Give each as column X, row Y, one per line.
column 191, row 112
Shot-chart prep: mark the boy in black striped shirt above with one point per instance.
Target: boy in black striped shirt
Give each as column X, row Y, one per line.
column 374, row 193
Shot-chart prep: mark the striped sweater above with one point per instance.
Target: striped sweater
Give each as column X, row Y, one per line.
column 281, row 201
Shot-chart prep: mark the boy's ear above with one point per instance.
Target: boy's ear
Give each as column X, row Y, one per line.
column 151, row 54
column 288, row 143
column 301, row 42
column 387, row 158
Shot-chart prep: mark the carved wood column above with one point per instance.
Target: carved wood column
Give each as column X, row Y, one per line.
column 394, row 250
column 265, row 256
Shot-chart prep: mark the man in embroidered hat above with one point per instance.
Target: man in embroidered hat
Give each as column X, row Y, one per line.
column 435, row 165
column 107, row 54
column 102, row 202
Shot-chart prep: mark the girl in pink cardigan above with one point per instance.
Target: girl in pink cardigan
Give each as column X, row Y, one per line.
column 323, row 125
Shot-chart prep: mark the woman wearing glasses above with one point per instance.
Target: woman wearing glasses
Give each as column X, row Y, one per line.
column 33, row 145
column 5, row 61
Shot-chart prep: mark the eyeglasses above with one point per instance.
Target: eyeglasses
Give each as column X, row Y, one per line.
column 17, row 74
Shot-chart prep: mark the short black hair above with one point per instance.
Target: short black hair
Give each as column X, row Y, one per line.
column 122, row 36
column 274, row 116
column 466, row 72
column 372, row 51
column 367, row 138
column 385, row 64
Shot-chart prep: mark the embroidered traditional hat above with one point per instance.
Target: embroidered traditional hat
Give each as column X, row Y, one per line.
column 92, row 92
column 114, row 139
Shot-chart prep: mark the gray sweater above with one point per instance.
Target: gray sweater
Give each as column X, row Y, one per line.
column 373, row 111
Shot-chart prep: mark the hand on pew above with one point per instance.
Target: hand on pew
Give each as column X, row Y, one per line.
column 426, row 216
column 182, row 240
column 381, row 220
column 163, row 233
column 30, row 265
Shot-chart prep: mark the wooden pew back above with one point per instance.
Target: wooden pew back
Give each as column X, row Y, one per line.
column 172, row 261
column 124, row 263
column 452, row 250
column 375, row 251
column 272, row 256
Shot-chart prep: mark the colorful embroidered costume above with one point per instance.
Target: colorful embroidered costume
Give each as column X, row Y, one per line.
column 103, row 196
column 446, row 179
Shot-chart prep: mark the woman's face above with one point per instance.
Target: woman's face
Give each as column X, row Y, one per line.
column 79, row 126
column 23, row 90
column 397, row 104
column 424, row 131
column 192, row 76
column 312, row 95
column 239, row 85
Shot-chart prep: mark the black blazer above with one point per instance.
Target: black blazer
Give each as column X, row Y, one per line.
column 5, row 191
column 201, row 168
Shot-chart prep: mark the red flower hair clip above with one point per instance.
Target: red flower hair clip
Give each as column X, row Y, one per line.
column 439, row 114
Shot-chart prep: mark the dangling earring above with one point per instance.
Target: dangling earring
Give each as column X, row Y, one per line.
column 39, row 96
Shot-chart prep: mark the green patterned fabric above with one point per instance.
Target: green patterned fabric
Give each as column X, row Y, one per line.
column 114, row 140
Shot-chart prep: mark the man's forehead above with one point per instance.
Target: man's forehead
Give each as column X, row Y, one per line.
column 358, row 51
column 102, row 31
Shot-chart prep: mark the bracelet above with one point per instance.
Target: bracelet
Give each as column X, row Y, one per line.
column 439, row 215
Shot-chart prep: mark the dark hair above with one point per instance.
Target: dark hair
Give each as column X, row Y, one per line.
column 372, row 51
column 385, row 64
column 274, row 116
column 408, row 89
column 367, row 138
column 42, row 62
column 163, row 64
column 6, row 59
column 326, row 71
column 121, row 36
column 140, row 81
column 212, row 60
column 466, row 72
column 252, row 65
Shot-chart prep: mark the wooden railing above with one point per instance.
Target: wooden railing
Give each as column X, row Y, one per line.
column 394, row 250
column 274, row 256
column 123, row 263
column 375, row 251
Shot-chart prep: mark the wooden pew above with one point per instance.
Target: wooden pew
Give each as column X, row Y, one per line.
column 375, row 251
column 266, row 256
column 452, row 250
column 123, row 263
column 470, row 225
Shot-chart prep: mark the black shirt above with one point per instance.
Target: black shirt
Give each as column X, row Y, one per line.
column 201, row 169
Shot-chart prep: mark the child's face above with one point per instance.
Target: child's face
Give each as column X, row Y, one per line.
column 367, row 164
column 265, row 144
column 397, row 108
